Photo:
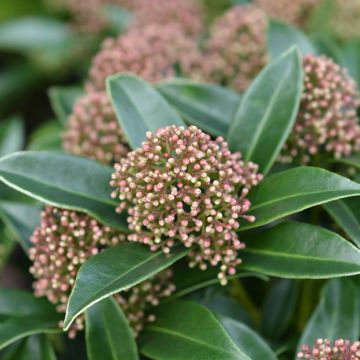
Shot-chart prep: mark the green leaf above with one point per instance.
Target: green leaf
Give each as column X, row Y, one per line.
column 32, row 34
column 282, row 36
column 62, row 99
column 6, row 245
column 12, row 134
column 267, row 111
column 337, row 315
column 139, row 107
column 24, row 316
column 351, row 161
column 37, row 347
column 65, row 181
column 46, row 137
column 298, row 250
column 186, row 330
column 114, row 270
column 108, row 335
column 351, row 59
column 210, row 107
column 294, row 190
column 346, row 213
column 21, row 218
column 278, row 308
column 247, row 340
column 117, row 17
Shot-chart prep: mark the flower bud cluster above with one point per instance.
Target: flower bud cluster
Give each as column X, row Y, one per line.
column 93, row 131
column 296, row 12
column 324, row 349
column 236, row 49
column 327, row 119
column 152, row 52
column 181, row 186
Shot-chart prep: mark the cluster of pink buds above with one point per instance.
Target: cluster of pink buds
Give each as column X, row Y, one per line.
column 324, row 349
column 151, row 52
column 182, row 186
column 92, row 130
column 63, row 242
column 236, row 50
column 295, row 12
column 138, row 301
column 187, row 14
column 327, row 119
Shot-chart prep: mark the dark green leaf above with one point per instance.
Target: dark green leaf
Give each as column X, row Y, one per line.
column 247, row 340
column 337, row 315
column 108, row 335
column 65, row 181
column 47, row 137
column 22, row 219
column 25, row 315
column 186, row 330
column 114, row 270
column 118, row 18
column 298, row 250
column 6, row 245
column 210, row 107
column 37, row 347
column 139, row 107
column 12, row 135
column 32, row 34
column 62, row 100
column 278, row 308
column 283, row 36
column 267, row 111
column 346, row 213
column 294, row 190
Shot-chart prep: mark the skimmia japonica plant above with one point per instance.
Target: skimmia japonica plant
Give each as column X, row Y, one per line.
column 202, row 201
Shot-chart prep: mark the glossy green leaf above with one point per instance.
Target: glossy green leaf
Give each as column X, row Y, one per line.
column 117, row 17
column 247, row 340
column 46, row 137
column 32, row 34
column 210, row 107
column 337, row 316
column 278, row 308
column 299, row 250
column 346, row 213
column 139, row 107
column 12, row 134
column 186, row 330
column 114, row 270
column 351, row 59
column 65, row 181
column 351, row 161
column 294, row 190
column 267, row 111
column 108, row 335
column 6, row 245
column 282, row 36
column 62, row 100
column 21, row 218
column 37, row 347
column 24, row 316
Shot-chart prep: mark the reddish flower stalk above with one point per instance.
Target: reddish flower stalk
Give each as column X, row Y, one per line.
column 181, row 186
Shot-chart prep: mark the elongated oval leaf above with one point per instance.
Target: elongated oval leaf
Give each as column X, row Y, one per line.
column 297, row 250
column 267, row 111
column 346, row 213
column 65, row 181
column 108, row 335
column 247, row 340
column 21, row 219
column 12, row 135
column 62, row 100
column 210, row 107
column 283, row 36
column 294, row 190
column 351, row 161
column 139, row 107
column 186, row 330
column 25, row 315
column 337, row 315
column 36, row 347
column 114, row 270
column 46, row 137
